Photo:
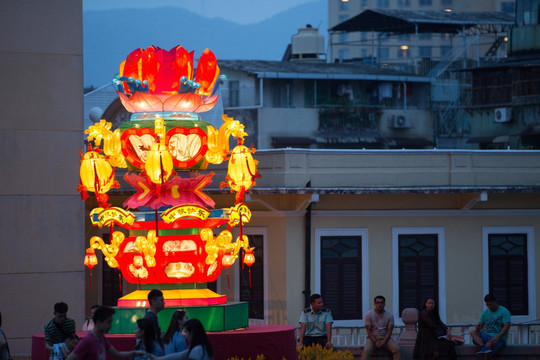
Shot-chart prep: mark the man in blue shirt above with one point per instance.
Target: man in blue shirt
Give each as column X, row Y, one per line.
column 495, row 321
column 316, row 324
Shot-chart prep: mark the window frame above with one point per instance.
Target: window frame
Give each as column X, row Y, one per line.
column 529, row 231
column 440, row 232
column 363, row 233
column 234, row 93
column 263, row 231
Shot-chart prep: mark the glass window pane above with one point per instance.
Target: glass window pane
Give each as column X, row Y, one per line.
column 418, row 269
column 508, row 277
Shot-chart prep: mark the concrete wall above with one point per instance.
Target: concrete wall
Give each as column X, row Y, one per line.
column 41, row 221
column 275, row 122
column 395, row 168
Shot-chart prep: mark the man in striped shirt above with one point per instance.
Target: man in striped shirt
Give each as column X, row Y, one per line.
column 59, row 327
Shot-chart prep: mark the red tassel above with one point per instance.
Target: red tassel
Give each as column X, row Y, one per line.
column 250, row 277
column 228, row 282
column 241, row 239
column 120, row 281
column 90, row 280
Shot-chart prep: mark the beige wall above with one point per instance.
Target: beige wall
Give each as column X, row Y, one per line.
column 463, row 252
column 41, row 221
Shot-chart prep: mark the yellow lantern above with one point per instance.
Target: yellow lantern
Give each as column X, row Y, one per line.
column 159, row 164
column 96, row 173
column 242, row 169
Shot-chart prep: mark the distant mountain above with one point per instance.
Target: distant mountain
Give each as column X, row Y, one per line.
column 112, row 34
column 232, row 10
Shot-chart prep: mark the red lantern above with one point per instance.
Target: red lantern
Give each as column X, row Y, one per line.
column 90, row 258
column 227, row 260
column 138, row 261
column 249, row 258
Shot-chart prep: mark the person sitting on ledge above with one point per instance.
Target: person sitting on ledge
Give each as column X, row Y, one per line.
column 496, row 320
column 316, row 324
column 379, row 325
column 434, row 337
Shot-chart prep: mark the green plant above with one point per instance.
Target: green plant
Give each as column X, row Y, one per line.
column 317, row 352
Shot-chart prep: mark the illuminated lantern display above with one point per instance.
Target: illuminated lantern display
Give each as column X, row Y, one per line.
column 165, row 147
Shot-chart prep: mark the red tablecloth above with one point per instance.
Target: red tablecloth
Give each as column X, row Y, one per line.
column 275, row 342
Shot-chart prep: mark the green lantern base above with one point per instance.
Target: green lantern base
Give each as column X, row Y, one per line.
column 223, row 317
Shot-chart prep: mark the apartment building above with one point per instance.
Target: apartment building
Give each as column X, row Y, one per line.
column 398, row 49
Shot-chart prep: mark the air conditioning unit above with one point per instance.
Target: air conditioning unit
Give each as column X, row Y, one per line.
column 400, row 122
column 503, row 114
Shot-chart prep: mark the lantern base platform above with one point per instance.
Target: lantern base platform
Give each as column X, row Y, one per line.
column 222, row 317
column 176, row 297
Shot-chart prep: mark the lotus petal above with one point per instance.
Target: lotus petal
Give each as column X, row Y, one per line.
column 182, row 102
column 149, row 67
column 207, row 72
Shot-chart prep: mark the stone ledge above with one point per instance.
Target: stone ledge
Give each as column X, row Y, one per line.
column 464, row 352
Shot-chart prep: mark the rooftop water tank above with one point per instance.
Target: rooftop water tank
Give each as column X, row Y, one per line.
column 307, row 44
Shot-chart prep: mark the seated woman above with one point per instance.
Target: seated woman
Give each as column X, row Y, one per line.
column 145, row 335
column 174, row 341
column 431, row 341
column 199, row 345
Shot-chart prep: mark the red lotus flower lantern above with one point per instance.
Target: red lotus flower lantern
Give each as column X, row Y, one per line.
column 154, row 79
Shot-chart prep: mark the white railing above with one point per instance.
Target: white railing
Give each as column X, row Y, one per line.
column 519, row 334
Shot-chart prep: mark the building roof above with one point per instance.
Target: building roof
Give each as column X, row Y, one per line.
column 303, row 69
column 406, row 21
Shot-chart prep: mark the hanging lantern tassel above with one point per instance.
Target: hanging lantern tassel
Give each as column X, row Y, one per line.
column 120, row 281
column 228, row 281
column 90, row 260
column 240, row 237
